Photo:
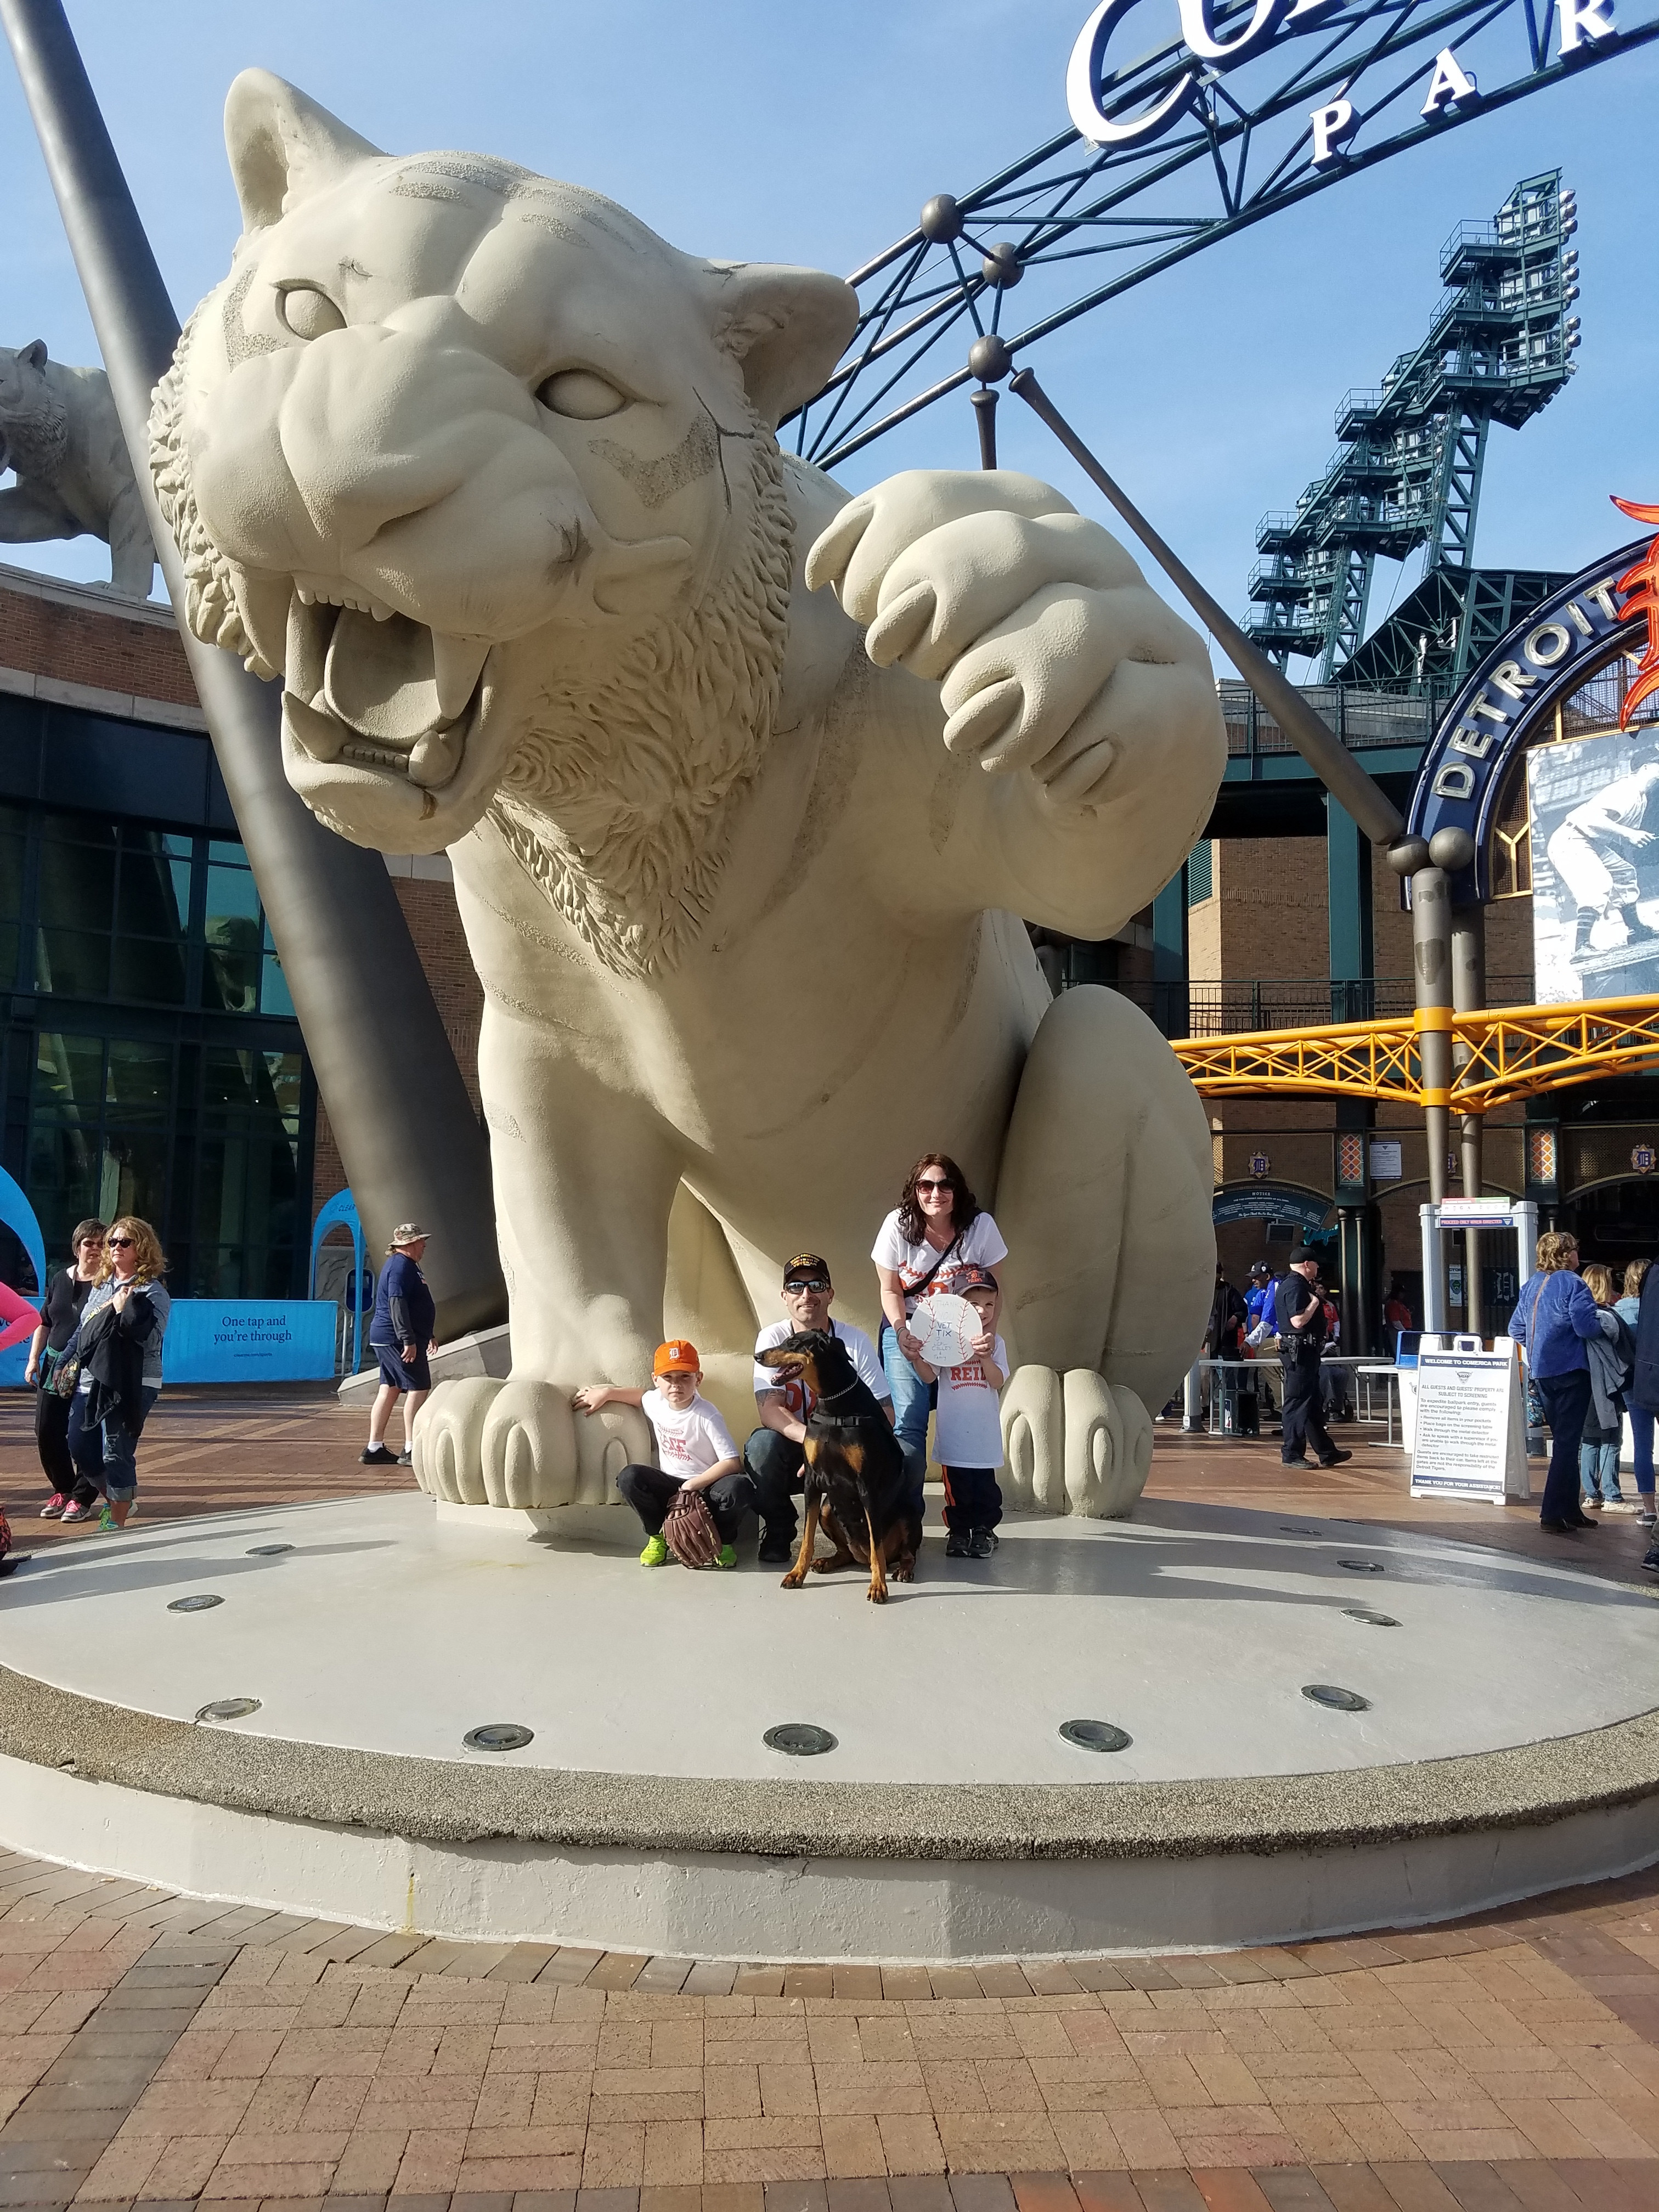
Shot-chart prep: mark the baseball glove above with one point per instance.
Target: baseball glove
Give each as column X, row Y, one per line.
column 689, row 1530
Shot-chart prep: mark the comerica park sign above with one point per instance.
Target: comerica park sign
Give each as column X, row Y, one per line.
column 1331, row 126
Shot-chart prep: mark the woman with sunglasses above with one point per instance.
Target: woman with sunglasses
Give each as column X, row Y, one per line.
column 120, row 1371
column 60, row 1316
column 937, row 1227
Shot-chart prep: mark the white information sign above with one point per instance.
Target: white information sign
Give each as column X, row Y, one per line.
column 1470, row 1436
column 1386, row 1163
column 1476, row 1214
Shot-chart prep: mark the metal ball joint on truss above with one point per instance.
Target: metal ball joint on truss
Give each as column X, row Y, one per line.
column 989, row 359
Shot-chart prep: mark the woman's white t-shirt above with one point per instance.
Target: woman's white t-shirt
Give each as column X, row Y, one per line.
column 980, row 1245
column 689, row 1441
column 968, row 1430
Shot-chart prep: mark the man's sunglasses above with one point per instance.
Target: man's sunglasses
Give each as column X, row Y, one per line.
column 807, row 1282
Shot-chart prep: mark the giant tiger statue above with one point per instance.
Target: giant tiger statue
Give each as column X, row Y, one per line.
column 746, row 784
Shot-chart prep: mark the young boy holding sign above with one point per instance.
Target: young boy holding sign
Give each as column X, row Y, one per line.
column 968, row 1422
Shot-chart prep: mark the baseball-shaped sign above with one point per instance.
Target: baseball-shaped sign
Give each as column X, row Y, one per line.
column 947, row 1328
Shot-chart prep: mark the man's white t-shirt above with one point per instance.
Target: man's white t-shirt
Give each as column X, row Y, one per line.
column 980, row 1245
column 688, row 1441
column 796, row 1395
column 967, row 1428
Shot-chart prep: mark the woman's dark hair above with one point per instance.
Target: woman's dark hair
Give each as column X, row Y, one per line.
column 964, row 1206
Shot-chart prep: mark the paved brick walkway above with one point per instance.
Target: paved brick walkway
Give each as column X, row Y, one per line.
column 159, row 2052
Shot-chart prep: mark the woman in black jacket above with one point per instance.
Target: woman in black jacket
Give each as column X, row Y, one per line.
column 60, row 1313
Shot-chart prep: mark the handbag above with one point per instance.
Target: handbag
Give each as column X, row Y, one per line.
column 62, row 1379
column 690, row 1531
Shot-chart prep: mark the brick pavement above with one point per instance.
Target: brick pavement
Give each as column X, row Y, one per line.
column 158, row 2051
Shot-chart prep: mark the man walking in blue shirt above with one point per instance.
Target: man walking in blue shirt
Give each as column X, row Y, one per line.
column 405, row 1314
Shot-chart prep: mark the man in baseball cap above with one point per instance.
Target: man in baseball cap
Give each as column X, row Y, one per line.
column 775, row 1452
column 405, row 1315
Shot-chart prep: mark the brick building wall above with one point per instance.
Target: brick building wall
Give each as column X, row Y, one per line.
column 73, row 635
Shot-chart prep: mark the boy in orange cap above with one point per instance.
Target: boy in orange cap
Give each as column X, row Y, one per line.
column 693, row 1443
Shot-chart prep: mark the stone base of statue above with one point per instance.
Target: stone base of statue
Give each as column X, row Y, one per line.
column 1199, row 1727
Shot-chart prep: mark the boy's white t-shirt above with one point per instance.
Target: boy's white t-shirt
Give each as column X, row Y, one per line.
column 980, row 1245
column 690, row 1442
column 968, row 1427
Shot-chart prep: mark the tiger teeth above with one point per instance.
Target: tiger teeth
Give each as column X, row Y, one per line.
column 315, row 592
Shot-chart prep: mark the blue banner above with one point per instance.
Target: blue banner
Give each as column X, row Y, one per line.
column 250, row 1340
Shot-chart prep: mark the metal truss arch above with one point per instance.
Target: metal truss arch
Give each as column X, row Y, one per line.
column 1240, row 150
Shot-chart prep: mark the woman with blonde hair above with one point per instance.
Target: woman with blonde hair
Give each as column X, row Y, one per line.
column 118, row 1347
column 1553, row 1321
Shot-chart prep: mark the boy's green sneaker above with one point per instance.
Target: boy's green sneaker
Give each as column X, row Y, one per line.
column 728, row 1558
column 655, row 1553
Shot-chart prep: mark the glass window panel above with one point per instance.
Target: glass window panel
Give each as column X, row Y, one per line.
column 77, row 886
column 231, row 965
column 150, row 971
column 69, row 1075
column 77, row 829
column 232, row 891
column 273, row 997
column 178, row 848
column 140, row 1083
column 63, row 1173
column 73, row 963
column 12, row 851
column 134, row 1179
column 154, row 894
column 219, row 850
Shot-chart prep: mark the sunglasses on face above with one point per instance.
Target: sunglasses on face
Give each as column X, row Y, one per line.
column 810, row 1283
column 121, row 1243
column 927, row 1182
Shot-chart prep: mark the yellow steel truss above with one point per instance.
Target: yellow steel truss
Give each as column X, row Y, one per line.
column 1509, row 1052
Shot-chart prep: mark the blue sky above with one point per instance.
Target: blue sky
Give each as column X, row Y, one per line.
column 812, row 135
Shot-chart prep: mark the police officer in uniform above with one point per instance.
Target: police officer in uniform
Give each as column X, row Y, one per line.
column 1299, row 1311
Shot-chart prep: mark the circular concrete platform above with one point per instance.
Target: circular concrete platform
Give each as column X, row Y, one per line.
column 1500, row 1737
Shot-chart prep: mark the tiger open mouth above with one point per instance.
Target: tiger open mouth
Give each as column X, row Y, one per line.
column 366, row 685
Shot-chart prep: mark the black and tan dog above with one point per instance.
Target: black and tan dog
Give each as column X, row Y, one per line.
column 854, row 1472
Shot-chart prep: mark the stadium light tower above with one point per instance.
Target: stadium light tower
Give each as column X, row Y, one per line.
column 1407, row 473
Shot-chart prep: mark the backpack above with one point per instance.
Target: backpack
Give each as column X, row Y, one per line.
column 690, row 1532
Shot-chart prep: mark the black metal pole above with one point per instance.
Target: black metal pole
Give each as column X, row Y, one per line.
column 1330, row 760
column 412, row 1146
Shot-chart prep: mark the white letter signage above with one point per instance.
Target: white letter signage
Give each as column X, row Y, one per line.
column 1329, row 125
column 1585, row 19
column 1449, row 81
column 1082, row 85
column 1197, row 30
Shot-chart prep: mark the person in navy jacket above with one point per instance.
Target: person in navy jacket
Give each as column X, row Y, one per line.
column 405, row 1314
column 1554, row 1319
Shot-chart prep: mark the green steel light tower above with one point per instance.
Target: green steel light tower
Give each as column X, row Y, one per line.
column 1407, row 473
